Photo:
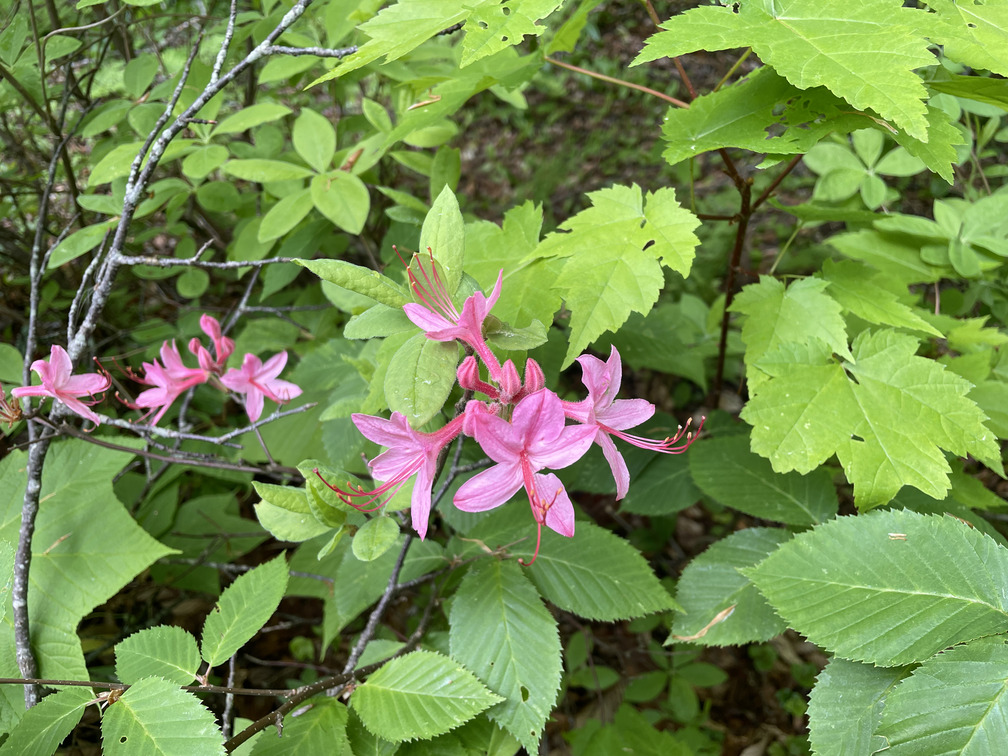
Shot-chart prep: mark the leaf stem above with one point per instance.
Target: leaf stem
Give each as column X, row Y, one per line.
column 621, row 82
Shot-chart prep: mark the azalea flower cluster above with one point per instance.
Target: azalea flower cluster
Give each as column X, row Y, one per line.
column 169, row 378
column 521, row 426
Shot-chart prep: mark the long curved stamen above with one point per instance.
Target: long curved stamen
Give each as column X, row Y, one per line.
column 352, row 494
column 676, row 444
column 432, row 292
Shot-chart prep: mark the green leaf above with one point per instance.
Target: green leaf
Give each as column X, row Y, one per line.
column 987, row 90
column 725, row 469
column 263, row 171
column 889, row 587
column 894, row 255
column 800, row 314
column 856, row 289
column 322, row 729
column 419, row 695
column 242, row 609
column 284, row 511
column 613, row 251
column 375, row 537
column 377, row 322
column 444, row 233
column 202, row 161
column 250, row 117
column 118, row 161
column 86, row 547
column 80, row 242
column 720, row 606
column 163, row 651
column 864, row 53
column 495, row 26
column 420, row 377
column 500, row 630
column 155, row 718
column 139, row 73
column 314, row 139
column 975, row 33
column 399, row 29
column 370, row 283
column 956, row 702
column 887, row 415
column 43, row 727
column 285, row 215
column 342, row 198
column 845, row 707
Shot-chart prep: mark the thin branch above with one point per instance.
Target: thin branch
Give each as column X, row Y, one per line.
column 228, row 35
column 320, row 52
column 191, row 262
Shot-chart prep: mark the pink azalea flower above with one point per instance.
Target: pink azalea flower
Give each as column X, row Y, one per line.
column 256, row 380
column 169, row 380
column 58, row 383
column 511, row 390
column 442, row 322
column 223, row 346
column 409, row 453
column 536, row 438
column 611, row 416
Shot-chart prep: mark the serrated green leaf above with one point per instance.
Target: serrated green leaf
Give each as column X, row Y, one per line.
column 974, row 33
column 711, row 585
column 500, row 630
column 375, row 537
column 285, row 215
column 956, row 702
column 443, row 233
column 420, row 377
column 725, row 469
column 342, row 198
column 857, row 290
column 263, row 171
column 845, row 707
column 163, row 651
column 613, row 251
column 43, row 727
column 155, row 718
column 314, row 139
column 887, row 415
column 494, row 26
column 250, row 117
column 322, row 729
column 243, row 609
column 370, row 283
column 420, row 695
column 889, row 587
column 865, row 53
column 284, row 511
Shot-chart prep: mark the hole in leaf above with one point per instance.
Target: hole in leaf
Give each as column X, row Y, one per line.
column 524, row 693
column 122, row 739
column 855, row 437
column 506, row 11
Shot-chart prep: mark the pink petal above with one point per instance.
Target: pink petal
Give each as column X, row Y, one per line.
column 272, row 368
column 616, row 463
column 566, row 449
column 489, row 489
column 75, row 405
column 253, row 403
column 393, row 432
column 626, row 413
column 435, row 325
column 86, row 384
column 59, row 367
column 560, row 515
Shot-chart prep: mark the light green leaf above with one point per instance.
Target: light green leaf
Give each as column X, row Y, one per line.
column 322, row 729
column 284, row 512
column 612, row 251
column 80, row 242
column 199, row 163
column 155, row 718
column 894, row 255
column 314, row 139
column 444, row 233
column 845, row 707
column 889, row 587
column 375, row 537
column 250, row 117
column 342, row 198
column 865, row 53
column 118, row 161
column 44, row 726
column 975, row 33
column 263, row 171
column 720, row 606
column 364, row 281
column 987, row 90
column 163, row 651
column 494, row 26
column 863, row 293
column 955, row 702
column 420, row 377
column 285, row 215
column 243, row 609
column 725, row 469
column 377, row 322
column 419, row 695
column 500, row 630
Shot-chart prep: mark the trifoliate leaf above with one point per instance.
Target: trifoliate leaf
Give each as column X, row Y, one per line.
column 887, row 414
column 500, row 630
column 890, row 587
column 865, row 53
column 420, row 695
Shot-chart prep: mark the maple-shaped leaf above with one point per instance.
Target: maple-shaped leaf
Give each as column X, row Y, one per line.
column 800, row 314
column 866, row 294
column 887, row 414
column 974, row 33
column 614, row 251
column 863, row 51
column 494, row 26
